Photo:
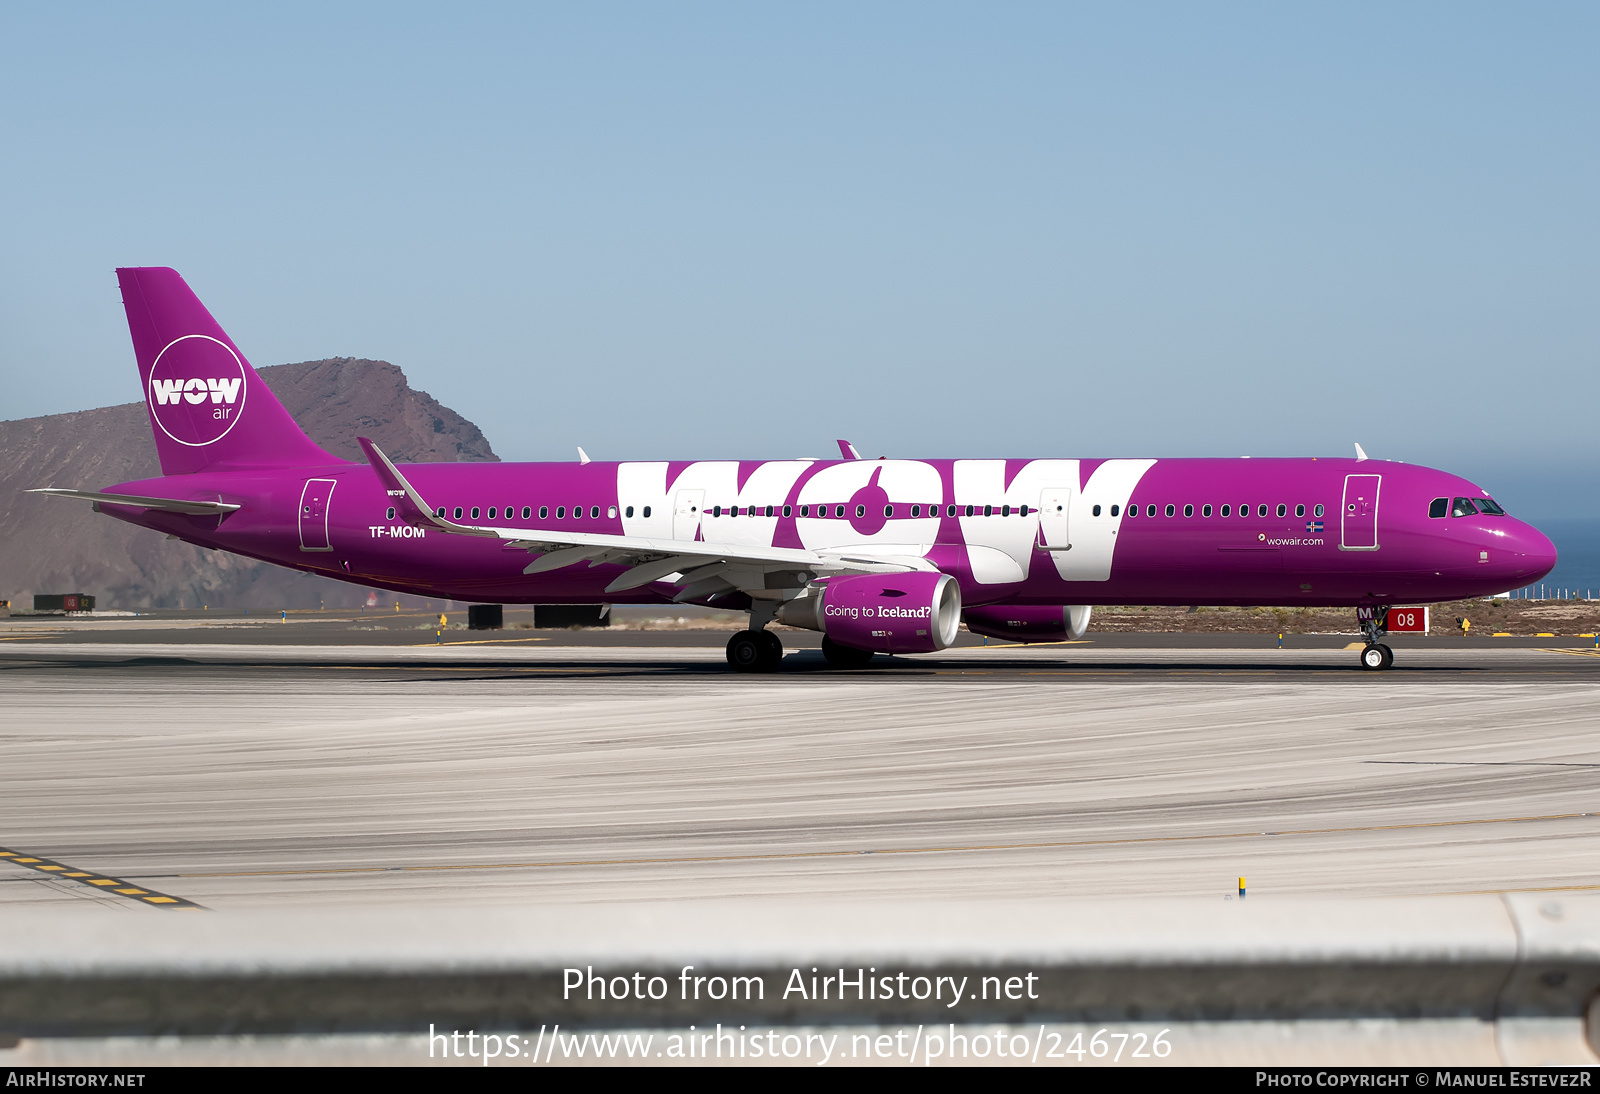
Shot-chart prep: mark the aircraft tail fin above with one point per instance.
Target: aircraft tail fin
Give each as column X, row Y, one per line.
column 209, row 410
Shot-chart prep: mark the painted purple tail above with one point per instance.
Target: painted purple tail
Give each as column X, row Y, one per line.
column 208, row 409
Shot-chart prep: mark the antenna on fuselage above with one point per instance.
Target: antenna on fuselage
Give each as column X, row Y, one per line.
column 583, row 457
column 1360, row 452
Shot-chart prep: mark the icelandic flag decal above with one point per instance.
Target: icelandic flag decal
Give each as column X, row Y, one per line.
column 1313, row 526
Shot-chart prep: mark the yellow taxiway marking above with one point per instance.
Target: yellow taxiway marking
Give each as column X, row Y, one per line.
column 98, row 881
column 482, row 642
column 1575, row 653
column 782, row 855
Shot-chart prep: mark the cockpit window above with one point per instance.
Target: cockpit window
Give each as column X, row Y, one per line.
column 1439, row 507
column 1463, row 507
column 1490, row 506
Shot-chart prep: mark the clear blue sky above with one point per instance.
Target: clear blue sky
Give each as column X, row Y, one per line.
column 699, row 230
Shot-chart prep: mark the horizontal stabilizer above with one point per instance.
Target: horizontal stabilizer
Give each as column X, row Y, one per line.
column 166, row 505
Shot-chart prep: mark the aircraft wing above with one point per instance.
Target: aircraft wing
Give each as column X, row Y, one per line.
column 168, row 505
column 700, row 568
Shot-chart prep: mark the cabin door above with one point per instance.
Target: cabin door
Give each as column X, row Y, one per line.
column 1358, row 520
column 1055, row 508
column 314, row 515
column 686, row 514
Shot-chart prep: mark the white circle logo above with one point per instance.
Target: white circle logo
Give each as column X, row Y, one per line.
column 196, row 390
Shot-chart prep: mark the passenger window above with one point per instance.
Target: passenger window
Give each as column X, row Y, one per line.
column 1244, row 510
column 1133, row 510
column 1490, row 506
column 1205, row 510
column 1299, row 510
column 969, row 510
column 594, row 511
column 1097, row 510
column 439, row 512
column 1261, row 510
column 788, row 510
column 1005, row 511
column 1439, row 507
column 458, row 513
column 988, row 510
column 950, row 511
column 769, row 510
column 389, row 514
column 916, row 510
column 1114, row 509
column 544, row 512
column 805, row 510
column 1024, row 510
column 561, row 512
column 611, row 512
column 716, row 510
column 1150, row 510
column 1463, row 508
column 1188, row 510
column 1283, row 510
column 838, row 510
column 474, row 512
column 491, row 512
column 1171, row 509
column 1317, row 511
column 888, row 510
column 647, row 510
column 1225, row 510
column 527, row 511
column 628, row 512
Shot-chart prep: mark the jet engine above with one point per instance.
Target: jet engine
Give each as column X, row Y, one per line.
column 887, row 613
column 1029, row 624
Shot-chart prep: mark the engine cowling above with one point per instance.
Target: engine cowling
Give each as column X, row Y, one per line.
column 887, row 613
column 1032, row 623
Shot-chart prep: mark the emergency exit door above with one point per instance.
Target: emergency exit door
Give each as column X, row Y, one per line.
column 687, row 511
column 1358, row 519
column 314, row 514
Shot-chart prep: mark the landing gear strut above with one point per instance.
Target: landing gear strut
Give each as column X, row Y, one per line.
column 755, row 651
column 1375, row 656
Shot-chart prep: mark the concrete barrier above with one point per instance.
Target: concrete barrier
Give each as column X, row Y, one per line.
column 1524, row 967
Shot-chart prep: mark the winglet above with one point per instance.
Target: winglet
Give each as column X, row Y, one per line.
column 848, row 450
column 409, row 502
column 1360, row 454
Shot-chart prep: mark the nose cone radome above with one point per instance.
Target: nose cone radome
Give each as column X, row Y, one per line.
column 1526, row 552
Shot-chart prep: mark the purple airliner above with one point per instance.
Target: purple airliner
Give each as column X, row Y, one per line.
column 879, row 555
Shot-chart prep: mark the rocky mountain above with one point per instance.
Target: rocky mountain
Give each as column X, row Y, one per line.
column 56, row 545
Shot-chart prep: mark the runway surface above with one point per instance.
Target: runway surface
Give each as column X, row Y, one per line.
column 239, row 774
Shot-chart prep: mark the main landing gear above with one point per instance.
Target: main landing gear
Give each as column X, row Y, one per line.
column 1375, row 656
column 755, row 651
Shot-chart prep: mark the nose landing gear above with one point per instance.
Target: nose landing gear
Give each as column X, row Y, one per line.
column 1375, row 656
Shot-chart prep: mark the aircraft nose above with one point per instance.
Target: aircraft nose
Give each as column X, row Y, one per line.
column 1529, row 552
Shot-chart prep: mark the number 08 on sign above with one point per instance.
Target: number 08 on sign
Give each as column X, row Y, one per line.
column 1407, row 619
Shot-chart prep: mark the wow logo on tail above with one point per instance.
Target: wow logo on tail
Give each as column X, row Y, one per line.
column 197, row 389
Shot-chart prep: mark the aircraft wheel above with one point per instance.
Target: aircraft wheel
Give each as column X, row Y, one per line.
column 1376, row 658
column 747, row 652
column 1388, row 655
column 772, row 647
column 844, row 657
